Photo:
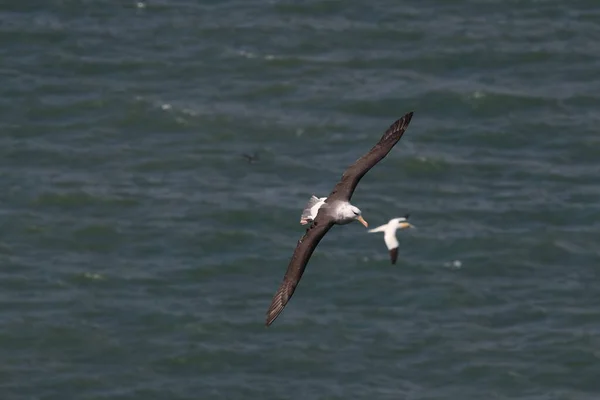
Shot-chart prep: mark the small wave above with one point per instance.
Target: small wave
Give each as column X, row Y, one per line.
column 251, row 55
column 455, row 264
column 79, row 199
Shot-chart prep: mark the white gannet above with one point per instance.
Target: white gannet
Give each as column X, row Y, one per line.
column 336, row 210
column 389, row 234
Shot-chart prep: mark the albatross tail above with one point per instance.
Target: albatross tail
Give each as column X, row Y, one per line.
column 308, row 213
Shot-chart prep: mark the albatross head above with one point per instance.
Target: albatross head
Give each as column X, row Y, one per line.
column 348, row 213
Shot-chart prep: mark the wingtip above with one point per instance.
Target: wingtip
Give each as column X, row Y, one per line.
column 394, row 255
column 407, row 117
column 269, row 318
column 274, row 312
column 399, row 126
column 277, row 305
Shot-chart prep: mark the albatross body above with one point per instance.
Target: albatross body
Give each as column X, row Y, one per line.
column 342, row 211
column 389, row 234
column 336, row 209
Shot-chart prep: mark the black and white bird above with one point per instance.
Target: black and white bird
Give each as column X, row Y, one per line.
column 336, row 209
column 389, row 234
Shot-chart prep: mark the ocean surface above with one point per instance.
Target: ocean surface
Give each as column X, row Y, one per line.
column 139, row 249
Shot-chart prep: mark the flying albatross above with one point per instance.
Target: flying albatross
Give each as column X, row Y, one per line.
column 389, row 234
column 336, row 210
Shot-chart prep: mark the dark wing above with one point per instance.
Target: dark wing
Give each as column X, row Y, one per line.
column 306, row 245
column 345, row 188
column 394, row 255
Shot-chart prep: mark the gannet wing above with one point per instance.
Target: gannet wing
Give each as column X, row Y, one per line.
column 394, row 255
column 380, row 228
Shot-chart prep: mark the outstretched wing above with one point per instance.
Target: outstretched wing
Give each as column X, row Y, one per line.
column 345, row 188
column 304, row 249
column 380, row 228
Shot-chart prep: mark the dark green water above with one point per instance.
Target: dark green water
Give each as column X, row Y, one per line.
column 139, row 251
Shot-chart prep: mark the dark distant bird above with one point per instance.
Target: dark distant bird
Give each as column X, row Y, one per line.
column 335, row 210
column 389, row 234
column 251, row 158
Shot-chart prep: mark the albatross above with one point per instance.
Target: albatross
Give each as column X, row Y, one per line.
column 389, row 234
column 336, row 209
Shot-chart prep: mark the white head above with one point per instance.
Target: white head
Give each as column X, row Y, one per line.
column 348, row 212
column 402, row 222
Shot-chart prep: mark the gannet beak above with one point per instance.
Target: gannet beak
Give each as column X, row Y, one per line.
column 404, row 225
column 362, row 221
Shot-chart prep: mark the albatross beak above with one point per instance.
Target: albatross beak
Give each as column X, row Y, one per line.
column 404, row 225
column 362, row 221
